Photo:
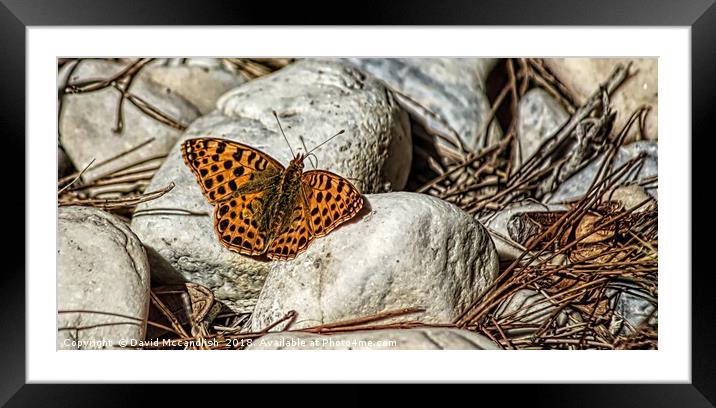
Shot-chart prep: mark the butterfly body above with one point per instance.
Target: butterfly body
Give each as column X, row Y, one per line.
column 282, row 196
column 262, row 207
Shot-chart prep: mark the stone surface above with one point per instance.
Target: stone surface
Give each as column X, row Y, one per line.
column 497, row 226
column 583, row 76
column 632, row 305
column 314, row 100
column 404, row 250
column 396, row 339
column 530, row 307
column 630, row 197
column 576, row 186
column 452, row 88
column 88, row 120
column 63, row 74
column 199, row 82
column 540, row 115
column 211, row 63
column 102, row 267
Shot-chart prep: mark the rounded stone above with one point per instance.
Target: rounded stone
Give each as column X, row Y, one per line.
column 630, row 197
column 313, row 100
column 633, row 307
column 403, row 250
column 103, row 274
column 584, row 75
column 531, row 309
column 429, row 338
column 88, row 120
column 577, row 185
column 452, row 88
column 539, row 116
column 199, row 82
column 498, row 224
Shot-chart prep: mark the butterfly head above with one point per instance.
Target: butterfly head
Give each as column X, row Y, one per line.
column 297, row 162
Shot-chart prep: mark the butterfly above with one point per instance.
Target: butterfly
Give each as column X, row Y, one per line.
column 263, row 208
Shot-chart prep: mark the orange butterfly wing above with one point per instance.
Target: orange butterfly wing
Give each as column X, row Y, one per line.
column 332, row 200
column 237, row 222
column 222, row 166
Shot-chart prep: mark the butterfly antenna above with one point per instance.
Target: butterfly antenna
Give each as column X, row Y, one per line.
column 327, row 140
column 315, row 157
column 284, row 135
column 305, row 149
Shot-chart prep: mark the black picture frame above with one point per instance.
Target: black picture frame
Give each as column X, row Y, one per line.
column 16, row 15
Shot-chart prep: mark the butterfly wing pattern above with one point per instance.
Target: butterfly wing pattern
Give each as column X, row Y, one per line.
column 235, row 178
column 222, row 166
column 246, row 187
column 237, row 221
column 332, row 200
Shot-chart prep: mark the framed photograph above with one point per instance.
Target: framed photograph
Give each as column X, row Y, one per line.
column 466, row 197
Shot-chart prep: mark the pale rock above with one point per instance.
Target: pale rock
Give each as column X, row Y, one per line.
column 632, row 306
column 577, row 185
column 529, row 307
column 497, row 225
column 630, row 197
column 201, row 82
column 101, row 267
column 539, row 117
column 391, row 339
column 584, row 75
column 210, row 63
column 404, row 250
column 452, row 88
column 314, row 100
column 88, row 120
